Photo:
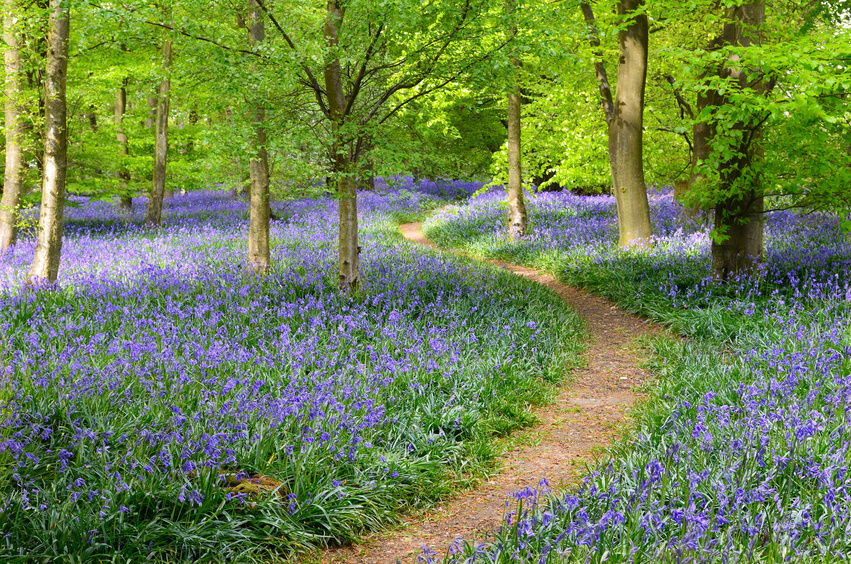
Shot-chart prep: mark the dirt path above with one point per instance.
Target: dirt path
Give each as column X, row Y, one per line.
column 586, row 416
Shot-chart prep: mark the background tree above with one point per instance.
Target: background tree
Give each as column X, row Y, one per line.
column 516, row 206
column 158, row 186
column 45, row 264
column 13, row 173
column 258, row 227
column 624, row 117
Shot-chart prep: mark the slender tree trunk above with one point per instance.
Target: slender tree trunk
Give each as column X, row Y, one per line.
column 50, row 225
column 151, row 118
column 625, row 118
column 92, row 116
column 153, row 214
column 367, row 179
column 516, row 205
column 349, row 260
column 36, row 39
column 13, row 180
column 738, row 245
column 259, row 259
column 126, row 202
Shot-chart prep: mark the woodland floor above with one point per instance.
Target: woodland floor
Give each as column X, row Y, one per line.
column 588, row 415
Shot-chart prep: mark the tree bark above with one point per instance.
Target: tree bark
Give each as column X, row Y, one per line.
column 92, row 116
column 516, row 206
column 366, row 180
column 740, row 220
column 259, row 258
column 153, row 215
column 45, row 264
column 13, row 180
column 626, row 128
column 36, row 37
column 625, row 119
column 349, row 260
column 151, row 118
column 738, row 245
column 126, row 201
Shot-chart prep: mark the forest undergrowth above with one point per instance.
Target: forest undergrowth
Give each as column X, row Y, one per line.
column 741, row 454
column 162, row 404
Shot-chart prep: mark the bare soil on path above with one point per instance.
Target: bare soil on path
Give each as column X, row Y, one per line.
column 588, row 415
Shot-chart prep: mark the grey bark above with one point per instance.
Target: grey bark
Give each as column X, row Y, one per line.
column 349, row 260
column 45, row 264
column 516, row 206
column 153, row 215
column 126, row 201
column 259, row 259
column 625, row 119
column 13, row 179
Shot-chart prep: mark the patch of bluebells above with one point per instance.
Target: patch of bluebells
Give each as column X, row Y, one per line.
column 744, row 455
column 160, row 373
column 438, row 188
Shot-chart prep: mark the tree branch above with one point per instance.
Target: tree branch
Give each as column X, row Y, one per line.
column 311, row 79
column 684, row 106
column 362, row 71
column 599, row 69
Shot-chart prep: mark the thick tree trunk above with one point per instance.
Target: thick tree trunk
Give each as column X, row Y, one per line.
column 153, row 214
column 126, row 202
column 13, row 179
column 627, row 126
column 259, row 259
column 516, row 205
column 349, row 260
column 45, row 264
column 741, row 249
column 702, row 134
column 625, row 117
column 738, row 245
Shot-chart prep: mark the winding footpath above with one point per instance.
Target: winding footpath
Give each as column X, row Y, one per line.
column 588, row 415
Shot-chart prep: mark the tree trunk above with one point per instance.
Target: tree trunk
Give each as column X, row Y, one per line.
column 13, row 178
column 126, row 202
column 741, row 249
column 516, row 205
column 151, row 119
column 738, row 245
column 367, row 176
column 349, row 260
column 92, row 116
column 153, row 214
column 45, row 264
column 627, row 126
column 625, row 118
column 259, row 259
column 36, row 37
